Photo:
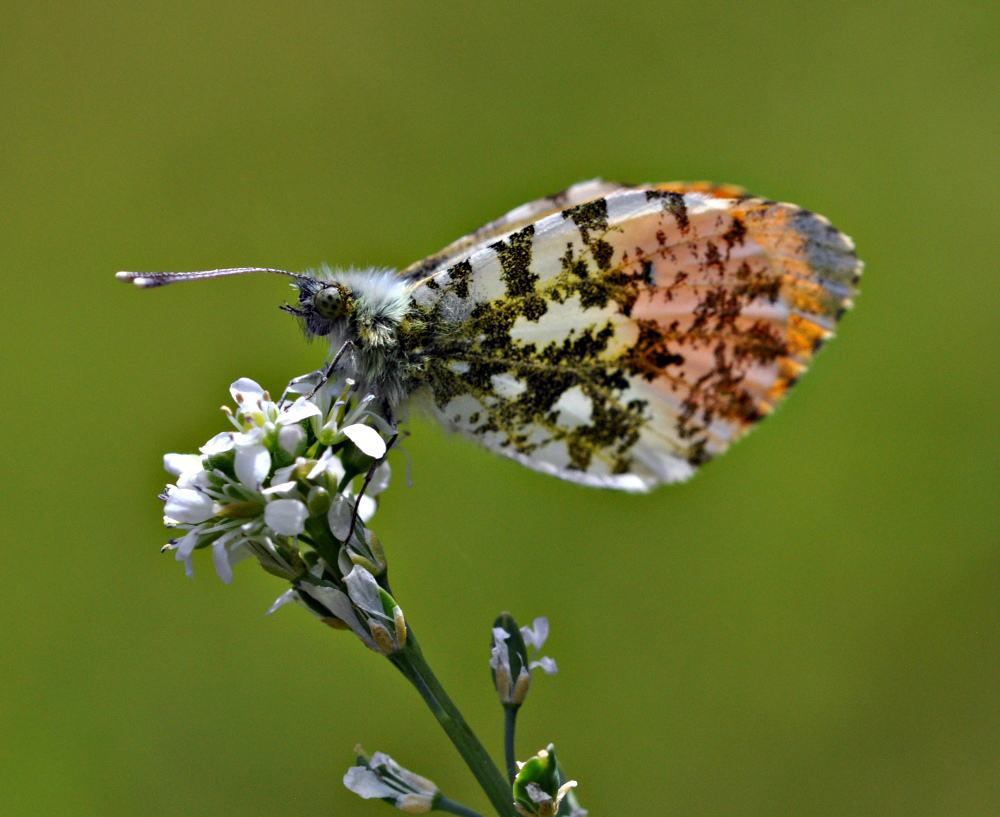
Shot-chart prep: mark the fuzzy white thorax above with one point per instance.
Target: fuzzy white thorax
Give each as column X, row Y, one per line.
column 379, row 292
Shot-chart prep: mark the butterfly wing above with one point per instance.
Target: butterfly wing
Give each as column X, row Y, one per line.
column 625, row 339
column 515, row 219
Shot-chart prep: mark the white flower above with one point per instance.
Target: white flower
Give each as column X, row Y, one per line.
column 383, row 778
column 287, row 597
column 331, row 425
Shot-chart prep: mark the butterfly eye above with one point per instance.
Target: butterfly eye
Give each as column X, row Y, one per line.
column 328, row 303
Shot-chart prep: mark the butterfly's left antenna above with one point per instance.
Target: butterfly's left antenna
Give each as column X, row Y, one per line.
column 148, row 280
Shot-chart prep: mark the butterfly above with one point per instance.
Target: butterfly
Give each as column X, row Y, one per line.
column 612, row 335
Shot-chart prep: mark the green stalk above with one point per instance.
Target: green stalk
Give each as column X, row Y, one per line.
column 411, row 662
column 509, row 723
column 443, row 803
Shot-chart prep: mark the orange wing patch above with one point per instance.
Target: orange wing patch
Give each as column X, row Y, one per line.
column 737, row 298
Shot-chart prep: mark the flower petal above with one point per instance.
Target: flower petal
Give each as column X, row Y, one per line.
column 335, row 469
column 548, row 665
column 365, row 783
column 185, row 547
column 221, row 558
column 285, row 598
column 380, row 480
column 283, row 475
column 414, row 782
column 321, row 464
column 178, row 464
column 366, row 508
column 364, row 591
column 280, row 487
column 253, row 462
column 253, row 436
column 246, row 392
column 536, row 634
column 194, row 479
column 366, row 438
column 219, row 444
column 286, row 516
column 500, row 653
column 298, row 411
column 188, row 505
column 292, row 439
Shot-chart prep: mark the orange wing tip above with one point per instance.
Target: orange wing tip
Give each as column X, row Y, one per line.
column 805, row 337
column 719, row 191
column 789, row 371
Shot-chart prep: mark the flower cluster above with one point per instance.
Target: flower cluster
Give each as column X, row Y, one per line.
column 293, row 484
column 282, row 487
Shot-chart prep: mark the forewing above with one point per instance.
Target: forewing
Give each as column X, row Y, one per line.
column 517, row 218
column 625, row 340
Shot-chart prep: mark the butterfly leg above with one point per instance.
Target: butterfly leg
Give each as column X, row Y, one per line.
column 370, row 475
column 330, row 369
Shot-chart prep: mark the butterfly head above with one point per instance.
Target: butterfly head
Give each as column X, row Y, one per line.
column 324, row 306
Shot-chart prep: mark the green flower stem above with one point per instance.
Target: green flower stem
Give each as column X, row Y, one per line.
column 447, row 804
column 411, row 662
column 509, row 724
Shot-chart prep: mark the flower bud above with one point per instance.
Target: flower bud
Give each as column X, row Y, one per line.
column 537, row 789
column 383, row 778
column 292, row 439
column 509, row 660
column 378, row 610
column 319, row 500
column 365, row 549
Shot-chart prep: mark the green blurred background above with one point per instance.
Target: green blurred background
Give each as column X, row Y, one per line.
column 810, row 627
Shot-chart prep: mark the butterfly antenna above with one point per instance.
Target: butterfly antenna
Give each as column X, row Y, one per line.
column 148, row 280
